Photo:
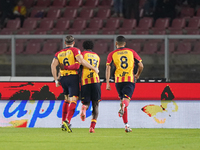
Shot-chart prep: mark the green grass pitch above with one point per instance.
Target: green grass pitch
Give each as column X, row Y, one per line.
column 102, row 139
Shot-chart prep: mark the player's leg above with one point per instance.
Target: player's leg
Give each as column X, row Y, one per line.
column 95, row 113
column 73, row 87
column 85, row 98
column 65, row 110
column 127, row 91
column 119, row 87
column 96, row 97
column 64, row 84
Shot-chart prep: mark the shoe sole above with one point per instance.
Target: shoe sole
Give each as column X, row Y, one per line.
column 67, row 126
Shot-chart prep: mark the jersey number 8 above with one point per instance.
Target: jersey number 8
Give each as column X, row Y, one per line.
column 124, row 63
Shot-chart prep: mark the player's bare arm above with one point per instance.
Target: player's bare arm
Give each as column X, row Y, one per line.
column 140, row 68
column 82, row 61
column 54, row 64
column 108, row 67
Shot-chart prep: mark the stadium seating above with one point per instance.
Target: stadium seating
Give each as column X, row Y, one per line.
column 124, row 31
column 36, row 10
column 6, row 31
column 193, row 32
column 112, row 24
column 150, row 48
column 100, row 47
column 13, row 24
column 183, row 48
column 78, row 25
column 128, row 24
column 91, row 31
column 28, row 3
column 108, row 32
column 136, row 46
column 187, row 12
column 43, row 3
column 196, row 49
column 91, row 3
column 198, row 12
column 95, row 24
column 176, row 31
column 70, row 13
column 194, row 23
column 53, row 13
column 4, row 48
column 142, row 32
column 59, row 3
column 106, row 3
column 29, row 23
column 171, row 48
column 161, row 24
column 86, row 13
column 144, row 24
column 62, row 24
column 75, row 3
column 177, row 23
column 40, row 31
column 159, row 32
column 19, row 47
column 24, row 31
column 49, row 48
column 46, row 24
column 103, row 13
column 33, row 47
column 74, row 31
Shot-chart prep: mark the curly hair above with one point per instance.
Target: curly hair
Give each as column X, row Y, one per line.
column 88, row 44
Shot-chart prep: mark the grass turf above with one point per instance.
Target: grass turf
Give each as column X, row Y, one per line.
column 103, row 139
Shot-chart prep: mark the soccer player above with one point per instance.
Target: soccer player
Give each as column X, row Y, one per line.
column 123, row 59
column 68, row 59
column 90, row 84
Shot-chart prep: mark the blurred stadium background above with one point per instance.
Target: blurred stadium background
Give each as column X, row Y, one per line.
column 94, row 19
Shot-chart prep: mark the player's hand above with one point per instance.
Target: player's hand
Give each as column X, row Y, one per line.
column 96, row 70
column 57, row 83
column 108, row 86
column 136, row 77
column 62, row 67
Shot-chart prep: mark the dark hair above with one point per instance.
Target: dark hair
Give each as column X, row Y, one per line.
column 88, row 44
column 69, row 39
column 120, row 39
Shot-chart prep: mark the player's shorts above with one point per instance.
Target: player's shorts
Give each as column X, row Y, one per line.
column 90, row 92
column 125, row 89
column 70, row 85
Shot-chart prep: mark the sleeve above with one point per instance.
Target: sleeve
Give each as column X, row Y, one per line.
column 76, row 52
column 137, row 57
column 56, row 55
column 109, row 59
column 72, row 67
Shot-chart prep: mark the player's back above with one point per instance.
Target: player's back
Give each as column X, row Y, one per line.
column 90, row 76
column 66, row 57
column 123, row 59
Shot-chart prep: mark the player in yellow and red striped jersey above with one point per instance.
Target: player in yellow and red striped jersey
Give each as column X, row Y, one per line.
column 68, row 59
column 90, row 84
column 124, row 60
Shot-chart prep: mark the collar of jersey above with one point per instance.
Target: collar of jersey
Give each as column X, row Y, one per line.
column 68, row 47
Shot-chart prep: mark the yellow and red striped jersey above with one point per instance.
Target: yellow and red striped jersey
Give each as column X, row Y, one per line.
column 66, row 57
column 90, row 76
column 123, row 59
